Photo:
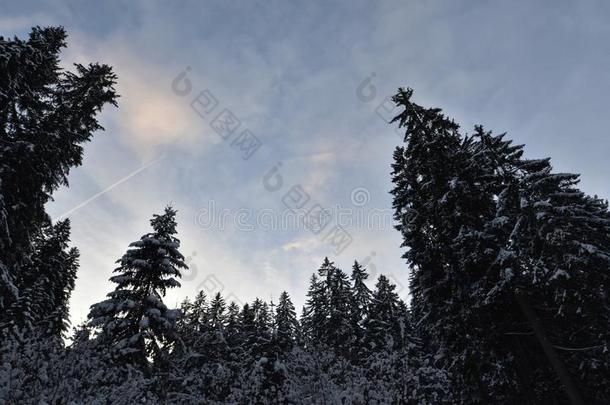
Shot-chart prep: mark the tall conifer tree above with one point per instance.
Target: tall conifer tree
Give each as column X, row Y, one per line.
column 46, row 114
column 134, row 321
column 286, row 323
column 485, row 226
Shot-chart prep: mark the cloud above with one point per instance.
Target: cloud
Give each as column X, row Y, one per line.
column 150, row 115
column 303, row 244
column 290, row 75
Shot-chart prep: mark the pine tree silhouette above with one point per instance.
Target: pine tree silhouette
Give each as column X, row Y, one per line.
column 134, row 321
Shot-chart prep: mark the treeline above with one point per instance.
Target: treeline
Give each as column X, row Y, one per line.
column 510, row 279
column 350, row 344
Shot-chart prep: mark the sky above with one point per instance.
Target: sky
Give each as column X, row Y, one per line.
column 246, row 116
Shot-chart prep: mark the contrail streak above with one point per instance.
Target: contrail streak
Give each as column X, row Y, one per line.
column 107, row 189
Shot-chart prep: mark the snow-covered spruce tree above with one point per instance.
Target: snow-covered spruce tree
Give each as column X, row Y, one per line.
column 533, row 242
column 216, row 343
column 218, row 371
column 263, row 320
column 46, row 114
column 518, row 370
column 383, row 328
column 326, row 270
column 314, row 314
column 444, row 194
column 259, row 377
column 134, row 321
column 60, row 263
column 359, row 309
column 42, row 306
column 41, row 371
column 326, row 318
column 482, row 224
column 194, row 325
column 286, row 323
column 263, row 376
column 232, row 328
column 266, row 378
column 339, row 333
column 558, row 250
column 258, row 335
column 234, row 338
column 183, row 327
column 207, row 367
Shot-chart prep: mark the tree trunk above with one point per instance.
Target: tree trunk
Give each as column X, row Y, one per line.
column 549, row 350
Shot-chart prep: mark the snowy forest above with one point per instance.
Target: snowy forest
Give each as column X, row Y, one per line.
column 509, row 278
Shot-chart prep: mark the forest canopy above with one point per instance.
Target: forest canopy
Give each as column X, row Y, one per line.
column 509, row 289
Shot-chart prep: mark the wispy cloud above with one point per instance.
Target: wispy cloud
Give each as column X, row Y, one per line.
column 290, row 74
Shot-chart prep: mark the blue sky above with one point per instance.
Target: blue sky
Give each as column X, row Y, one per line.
column 293, row 74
